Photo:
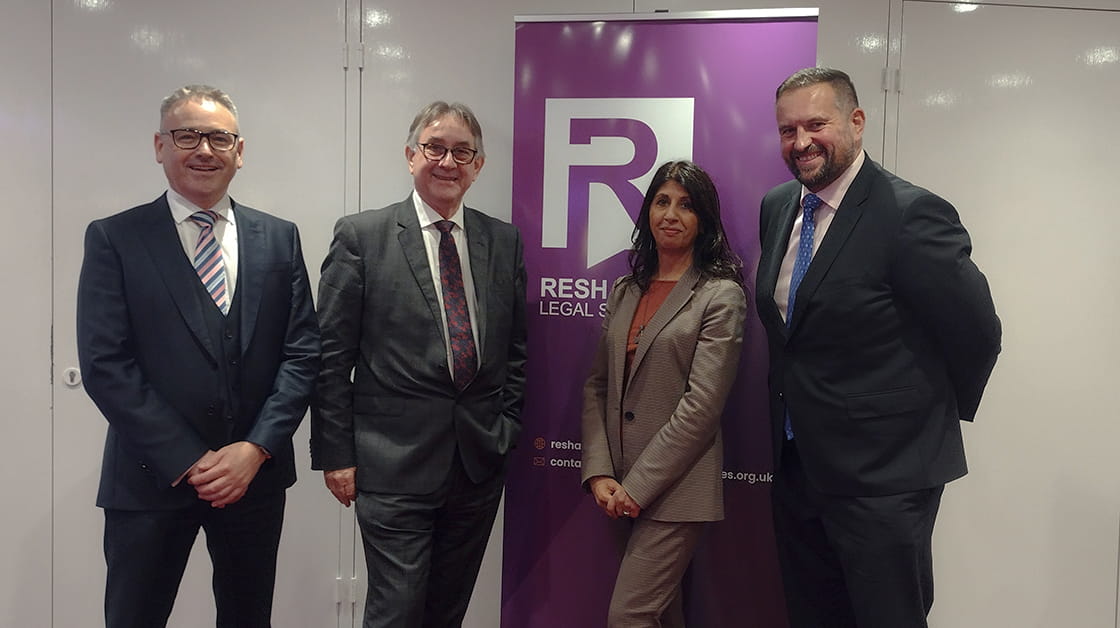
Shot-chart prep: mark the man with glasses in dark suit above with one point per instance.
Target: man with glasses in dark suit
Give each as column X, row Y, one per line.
column 422, row 304
column 198, row 342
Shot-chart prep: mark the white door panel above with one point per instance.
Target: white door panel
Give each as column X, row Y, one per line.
column 113, row 63
column 413, row 60
column 25, row 267
column 1009, row 113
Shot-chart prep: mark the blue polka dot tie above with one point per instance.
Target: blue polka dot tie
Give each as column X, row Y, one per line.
column 464, row 358
column 804, row 256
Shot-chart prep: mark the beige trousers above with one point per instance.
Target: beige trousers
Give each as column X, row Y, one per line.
column 647, row 592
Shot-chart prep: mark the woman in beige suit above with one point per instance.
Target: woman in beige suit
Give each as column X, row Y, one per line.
column 652, row 450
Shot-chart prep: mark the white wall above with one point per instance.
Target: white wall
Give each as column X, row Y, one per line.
column 112, row 61
column 1035, row 524
column 25, row 271
column 1033, row 528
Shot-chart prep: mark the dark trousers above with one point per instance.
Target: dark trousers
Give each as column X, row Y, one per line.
column 146, row 553
column 853, row 562
column 423, row 552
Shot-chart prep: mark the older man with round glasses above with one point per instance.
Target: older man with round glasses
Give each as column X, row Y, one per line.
column 422, row 305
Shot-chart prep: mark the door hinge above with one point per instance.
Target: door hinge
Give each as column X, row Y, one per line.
column 346, row 590
column 892, row 79
column 354, row 55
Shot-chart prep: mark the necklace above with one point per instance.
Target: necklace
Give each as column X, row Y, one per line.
column 643, row 317
column 648, row 305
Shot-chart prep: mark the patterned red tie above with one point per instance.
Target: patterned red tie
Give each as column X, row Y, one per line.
column 208, row 259
column 463, row 355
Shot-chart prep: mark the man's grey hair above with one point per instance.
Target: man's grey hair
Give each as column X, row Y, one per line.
column 196, row 93
column 439, row 109
column 846, row 99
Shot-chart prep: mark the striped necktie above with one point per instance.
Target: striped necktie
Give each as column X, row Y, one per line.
column 208, row 261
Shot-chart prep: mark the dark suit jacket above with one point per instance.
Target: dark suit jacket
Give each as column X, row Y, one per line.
column 385, row 401
column 149, row 363
column 660, row 434
column 892, row 340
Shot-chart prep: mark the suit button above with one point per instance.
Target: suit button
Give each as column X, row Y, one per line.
column 781, row 395
column 233, row 362
column 629, row 416
column 143, row 466
column 229, row 334
column 210, row 411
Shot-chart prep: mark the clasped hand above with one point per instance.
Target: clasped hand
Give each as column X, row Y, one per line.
column 613, row 498
column 222, row 477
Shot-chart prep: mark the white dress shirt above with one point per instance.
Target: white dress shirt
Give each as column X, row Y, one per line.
column 225, row 232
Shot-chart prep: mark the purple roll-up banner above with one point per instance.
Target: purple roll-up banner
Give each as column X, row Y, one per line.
column 599, row 103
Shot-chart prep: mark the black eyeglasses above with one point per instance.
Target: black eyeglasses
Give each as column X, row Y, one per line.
column 189, row 139
column 435, row 152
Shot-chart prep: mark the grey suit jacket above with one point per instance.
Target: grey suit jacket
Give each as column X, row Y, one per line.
column 659, row 435
column 385, row 401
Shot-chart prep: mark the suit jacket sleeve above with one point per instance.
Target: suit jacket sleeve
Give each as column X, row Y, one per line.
column 285, row 407
column 696, row 419
column 111, row 374
column 935, row 274
column 341, row 292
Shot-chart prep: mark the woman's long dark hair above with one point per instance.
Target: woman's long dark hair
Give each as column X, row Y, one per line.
column 711, row 253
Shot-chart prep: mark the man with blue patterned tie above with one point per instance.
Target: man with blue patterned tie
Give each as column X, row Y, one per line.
column 882, row 334
column 198, row 342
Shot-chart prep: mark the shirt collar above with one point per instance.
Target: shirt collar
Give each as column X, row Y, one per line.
column 834, row 193
column 428, row 216
column 181, row 208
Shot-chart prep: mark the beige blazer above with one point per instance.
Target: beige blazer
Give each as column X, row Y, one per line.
column 661, row 439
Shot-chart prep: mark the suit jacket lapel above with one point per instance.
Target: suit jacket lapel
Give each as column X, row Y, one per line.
column 620, row 331
column 478, row 243
column 847, row 215
column 250, row 245
column 178, row 274
column 412, row 245
column 678, row 297
column 771, row 265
